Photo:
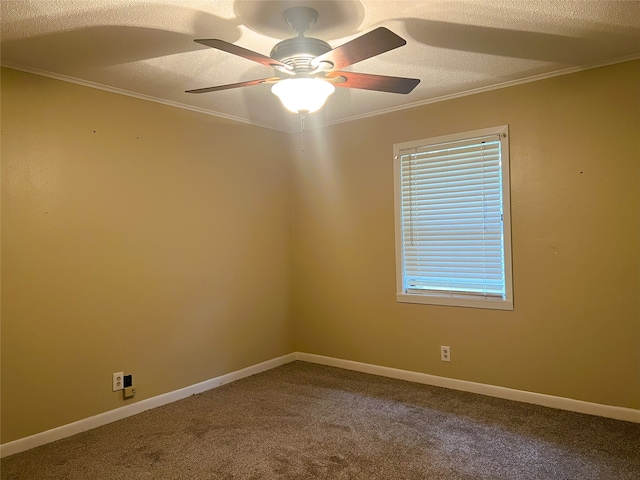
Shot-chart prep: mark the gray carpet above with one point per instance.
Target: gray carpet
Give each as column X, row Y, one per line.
column 304, row 421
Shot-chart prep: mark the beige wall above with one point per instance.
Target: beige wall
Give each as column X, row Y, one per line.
column 575, row 174
column 158, row 241
column 135, row 237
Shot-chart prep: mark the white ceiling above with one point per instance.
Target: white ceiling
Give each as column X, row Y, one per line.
column 146, row 48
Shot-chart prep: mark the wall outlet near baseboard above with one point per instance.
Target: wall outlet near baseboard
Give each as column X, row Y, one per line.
column 118, row 381
column 445, row 353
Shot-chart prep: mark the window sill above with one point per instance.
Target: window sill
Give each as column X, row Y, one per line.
column 452, row 301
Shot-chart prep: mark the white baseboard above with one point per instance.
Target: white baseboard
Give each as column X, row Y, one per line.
column 85, row 424
column 20, row 445
column 562, row 403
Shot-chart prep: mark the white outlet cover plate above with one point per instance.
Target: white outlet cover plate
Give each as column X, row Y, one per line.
column 445, row 353
column 118, row 381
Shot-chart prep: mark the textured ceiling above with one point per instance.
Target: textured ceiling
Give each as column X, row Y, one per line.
column 146, row 48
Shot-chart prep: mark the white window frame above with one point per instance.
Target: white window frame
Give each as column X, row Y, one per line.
column 458, row 299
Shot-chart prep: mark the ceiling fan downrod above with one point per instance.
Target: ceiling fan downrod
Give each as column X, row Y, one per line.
column 300, row 18
column 298, row 52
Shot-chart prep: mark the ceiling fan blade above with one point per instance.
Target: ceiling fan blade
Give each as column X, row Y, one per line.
column 380, row 83
column 235, row 85
column 366, row 46
column 242, row 52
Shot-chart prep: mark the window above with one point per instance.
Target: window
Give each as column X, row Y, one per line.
column 453, row 234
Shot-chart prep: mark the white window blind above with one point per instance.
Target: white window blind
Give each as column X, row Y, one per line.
column 452, row 218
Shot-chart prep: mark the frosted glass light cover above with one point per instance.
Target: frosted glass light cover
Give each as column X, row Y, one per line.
column 303, row 95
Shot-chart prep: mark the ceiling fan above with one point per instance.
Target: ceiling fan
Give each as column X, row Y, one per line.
column 308, row 69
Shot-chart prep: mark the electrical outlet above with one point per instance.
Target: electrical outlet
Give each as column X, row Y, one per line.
column 445, row 353
column 118, row 381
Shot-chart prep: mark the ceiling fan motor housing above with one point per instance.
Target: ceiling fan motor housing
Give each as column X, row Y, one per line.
column 299, row 51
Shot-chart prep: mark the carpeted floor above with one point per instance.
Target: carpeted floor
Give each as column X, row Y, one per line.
column 305, row 421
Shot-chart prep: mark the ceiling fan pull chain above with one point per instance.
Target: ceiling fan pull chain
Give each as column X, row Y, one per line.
column 302, row 117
